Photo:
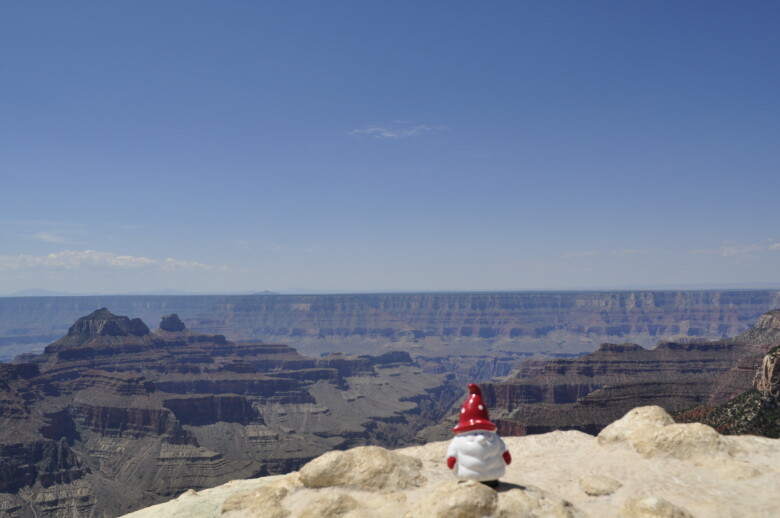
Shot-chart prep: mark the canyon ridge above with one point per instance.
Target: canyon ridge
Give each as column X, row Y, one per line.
column 114, row 416
column 506, row 324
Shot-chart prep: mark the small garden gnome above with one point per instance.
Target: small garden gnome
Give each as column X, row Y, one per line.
column 477, row 452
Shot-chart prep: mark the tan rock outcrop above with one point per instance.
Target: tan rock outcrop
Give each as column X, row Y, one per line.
column 599, row 485
column 642, row 466
column 531, row 502
column 369, row 468
column 457, row 499
column 652, row 507
column 767, row 379
column 650, row 431
column 265, row 502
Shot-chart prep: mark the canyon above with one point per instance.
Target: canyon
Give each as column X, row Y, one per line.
column 114, row 416
column 509, row 325
column 589, row 392
column 756, row 411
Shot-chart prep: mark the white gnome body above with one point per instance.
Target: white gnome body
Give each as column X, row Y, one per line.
column 478, row 455
column 477, row 452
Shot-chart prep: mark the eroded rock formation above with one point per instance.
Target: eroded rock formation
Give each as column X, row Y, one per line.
column 643, row 465
column 113, row 416
column 767, row 380
column 588, row 392
column 756, row 410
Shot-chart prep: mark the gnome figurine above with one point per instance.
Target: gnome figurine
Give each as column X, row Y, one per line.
column 477, row 452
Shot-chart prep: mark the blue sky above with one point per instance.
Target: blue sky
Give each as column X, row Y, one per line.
column 375, row 146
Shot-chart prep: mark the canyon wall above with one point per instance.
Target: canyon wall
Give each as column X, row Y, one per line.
column 436, row 324
column 589, row 392
column 755, row 409
column 113, row 417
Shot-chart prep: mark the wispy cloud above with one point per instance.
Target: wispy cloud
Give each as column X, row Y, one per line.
column 731, row 250
column 136, row 226
column 395, row 130
column 87, row 259
column 39, row 223
column 626, row 251
column 49, row 237
column 581, row 253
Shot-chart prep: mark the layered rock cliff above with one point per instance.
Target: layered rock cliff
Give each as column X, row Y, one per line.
column 588, row 392
column 643, row 465
column 756, row 410
column 113, row 416
column 426, row 324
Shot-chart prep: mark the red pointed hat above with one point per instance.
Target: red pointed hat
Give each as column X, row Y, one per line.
column 473, row 413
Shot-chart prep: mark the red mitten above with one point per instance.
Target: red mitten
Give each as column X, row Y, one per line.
column 450, row 462
column 507, row 458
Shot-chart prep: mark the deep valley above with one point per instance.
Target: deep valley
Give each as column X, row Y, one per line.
column 113, row 416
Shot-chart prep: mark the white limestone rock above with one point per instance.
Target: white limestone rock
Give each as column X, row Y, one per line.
column 599, row 485
column 643, row 465
column 264, row 502
column 652, row 507
column 332, row 505
column 457, row 499
column 532, row 502
column 369, row 468
column 650, row 431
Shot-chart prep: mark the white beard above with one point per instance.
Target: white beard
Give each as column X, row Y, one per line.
column 478, row 455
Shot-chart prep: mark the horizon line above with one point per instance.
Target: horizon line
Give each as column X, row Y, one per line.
column 179, row 293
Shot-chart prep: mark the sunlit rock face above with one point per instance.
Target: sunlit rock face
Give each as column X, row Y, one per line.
column 767, row 379
column 644, row 465
column 113, row 417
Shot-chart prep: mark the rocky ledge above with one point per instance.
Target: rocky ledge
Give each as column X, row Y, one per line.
column 643, row 465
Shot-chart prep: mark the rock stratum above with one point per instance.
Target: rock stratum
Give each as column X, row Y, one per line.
column 756, row 411
column 644, row 465
column 114, row 417
column 589, row 392
column 437, row 324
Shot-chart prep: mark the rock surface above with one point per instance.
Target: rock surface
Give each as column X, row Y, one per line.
column 588, row 392
column 599, row 485
column 113, row 417
column 172, row 323
column 755, row 411
column 767, row 380
column 664, row 469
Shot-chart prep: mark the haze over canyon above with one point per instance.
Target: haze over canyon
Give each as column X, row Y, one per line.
column 441, row 324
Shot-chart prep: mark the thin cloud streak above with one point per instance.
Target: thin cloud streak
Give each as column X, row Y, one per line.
column 583, row 253
column 396, row 130
column 92, row 259
column 49, row 237
column 731, row 251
